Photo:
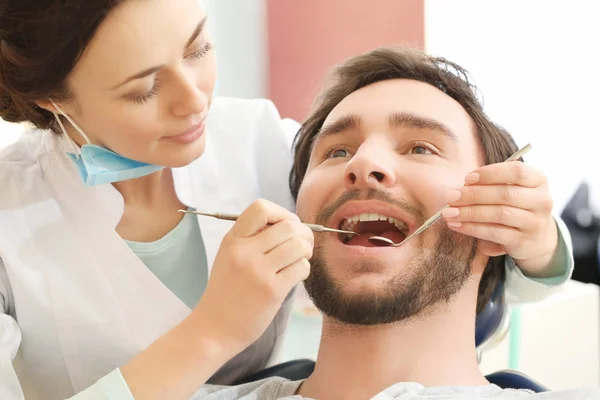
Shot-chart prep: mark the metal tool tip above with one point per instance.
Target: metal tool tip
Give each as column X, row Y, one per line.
column 381, row 239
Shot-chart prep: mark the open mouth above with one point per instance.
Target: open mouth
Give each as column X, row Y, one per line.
column 372, row 224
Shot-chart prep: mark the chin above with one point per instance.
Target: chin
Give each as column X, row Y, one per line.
column 370, row 285
column 371, row 267
column 370, row 277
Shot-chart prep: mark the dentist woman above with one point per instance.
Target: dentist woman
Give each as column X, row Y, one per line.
column 106, row 291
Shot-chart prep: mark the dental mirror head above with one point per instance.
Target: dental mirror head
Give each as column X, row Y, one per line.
column 380, row 240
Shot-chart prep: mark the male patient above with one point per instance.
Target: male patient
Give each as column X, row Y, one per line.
column 392, row 133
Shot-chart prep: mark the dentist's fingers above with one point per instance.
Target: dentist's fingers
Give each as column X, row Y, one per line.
column 273, row 236
column 513, row 172
column 500, row 234
column 288, row 253
column 258, row 216
column 500, row 215
column 294, row 274
column 259, row 261
column 491, row 249
column 510, row 195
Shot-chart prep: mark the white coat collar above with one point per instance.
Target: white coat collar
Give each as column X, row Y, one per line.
column 192, row 183
column 90, row 200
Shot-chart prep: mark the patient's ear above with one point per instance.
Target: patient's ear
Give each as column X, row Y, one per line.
column 479, row 263
column 486, row 250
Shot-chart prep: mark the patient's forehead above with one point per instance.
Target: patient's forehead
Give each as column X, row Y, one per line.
column 374, row 103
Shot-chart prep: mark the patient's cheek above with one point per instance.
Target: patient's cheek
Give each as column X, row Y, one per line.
column 305, row 201
column 318, row 188
column 301, row 210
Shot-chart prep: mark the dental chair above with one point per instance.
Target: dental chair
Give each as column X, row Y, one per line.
column 491, row 326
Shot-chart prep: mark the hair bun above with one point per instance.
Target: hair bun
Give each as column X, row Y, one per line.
column 9, row 108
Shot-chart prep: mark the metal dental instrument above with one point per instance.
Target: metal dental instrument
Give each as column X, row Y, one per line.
column 438, row 214
column 234, row 217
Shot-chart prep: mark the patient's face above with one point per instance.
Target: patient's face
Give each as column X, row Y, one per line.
column 380, row 166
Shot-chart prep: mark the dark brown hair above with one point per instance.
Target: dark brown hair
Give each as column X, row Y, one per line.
column 41, row 41
column 404, row 63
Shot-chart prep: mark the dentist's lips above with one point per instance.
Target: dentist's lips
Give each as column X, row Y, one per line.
column 189, row 136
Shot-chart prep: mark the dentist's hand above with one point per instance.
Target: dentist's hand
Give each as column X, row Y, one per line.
column 261, row 259
column 256, row 267
column 507, row 206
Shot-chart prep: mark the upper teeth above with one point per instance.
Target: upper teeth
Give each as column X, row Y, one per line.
column 349, row 223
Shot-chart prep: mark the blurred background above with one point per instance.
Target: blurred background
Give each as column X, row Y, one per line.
column 537, row 64
column 535, row 61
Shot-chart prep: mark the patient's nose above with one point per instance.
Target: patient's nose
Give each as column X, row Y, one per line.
column 370, row 167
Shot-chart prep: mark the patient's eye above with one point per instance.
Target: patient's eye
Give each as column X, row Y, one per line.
column 337, row 152
column 421, row 149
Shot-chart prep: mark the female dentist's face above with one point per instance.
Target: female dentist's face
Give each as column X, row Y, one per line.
column 144, row 84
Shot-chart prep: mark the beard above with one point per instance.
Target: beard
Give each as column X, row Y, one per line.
column 429, row 281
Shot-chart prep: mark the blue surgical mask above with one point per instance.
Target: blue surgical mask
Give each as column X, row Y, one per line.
column 98, row 165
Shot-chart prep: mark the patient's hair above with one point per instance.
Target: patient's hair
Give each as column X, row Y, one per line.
column 404, row 63
column 41, row 41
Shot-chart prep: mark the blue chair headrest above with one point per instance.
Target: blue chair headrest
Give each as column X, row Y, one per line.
column 515, row 380
column 490, row 318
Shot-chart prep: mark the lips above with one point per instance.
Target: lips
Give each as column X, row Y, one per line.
column 372, row 218
column 190, row 134
column 371, row 224
column 355, row 211
column 363, row 222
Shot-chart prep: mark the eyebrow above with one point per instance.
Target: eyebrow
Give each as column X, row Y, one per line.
column 345, row 123
column 413, row 121
column 395, row 120
column 149, row 71
column 340, row 125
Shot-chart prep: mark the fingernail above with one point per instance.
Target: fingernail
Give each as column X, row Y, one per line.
column 472, row 178
column 454, row 224
column 452, row 196
column 450, row 212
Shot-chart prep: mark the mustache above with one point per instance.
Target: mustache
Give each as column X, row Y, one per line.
column 416, row 209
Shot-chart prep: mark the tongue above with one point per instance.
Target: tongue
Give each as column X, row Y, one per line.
column 363, row 238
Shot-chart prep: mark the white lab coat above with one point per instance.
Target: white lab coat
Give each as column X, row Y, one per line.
column 75, row 301
column 84, row 303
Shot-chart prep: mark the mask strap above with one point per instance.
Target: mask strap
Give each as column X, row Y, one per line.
column 70, row 121
column 76, row 151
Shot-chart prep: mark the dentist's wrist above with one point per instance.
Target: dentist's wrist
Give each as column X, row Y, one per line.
column 177, row 364
column 547, row 265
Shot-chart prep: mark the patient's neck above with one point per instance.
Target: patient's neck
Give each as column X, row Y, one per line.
column 357, row 362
